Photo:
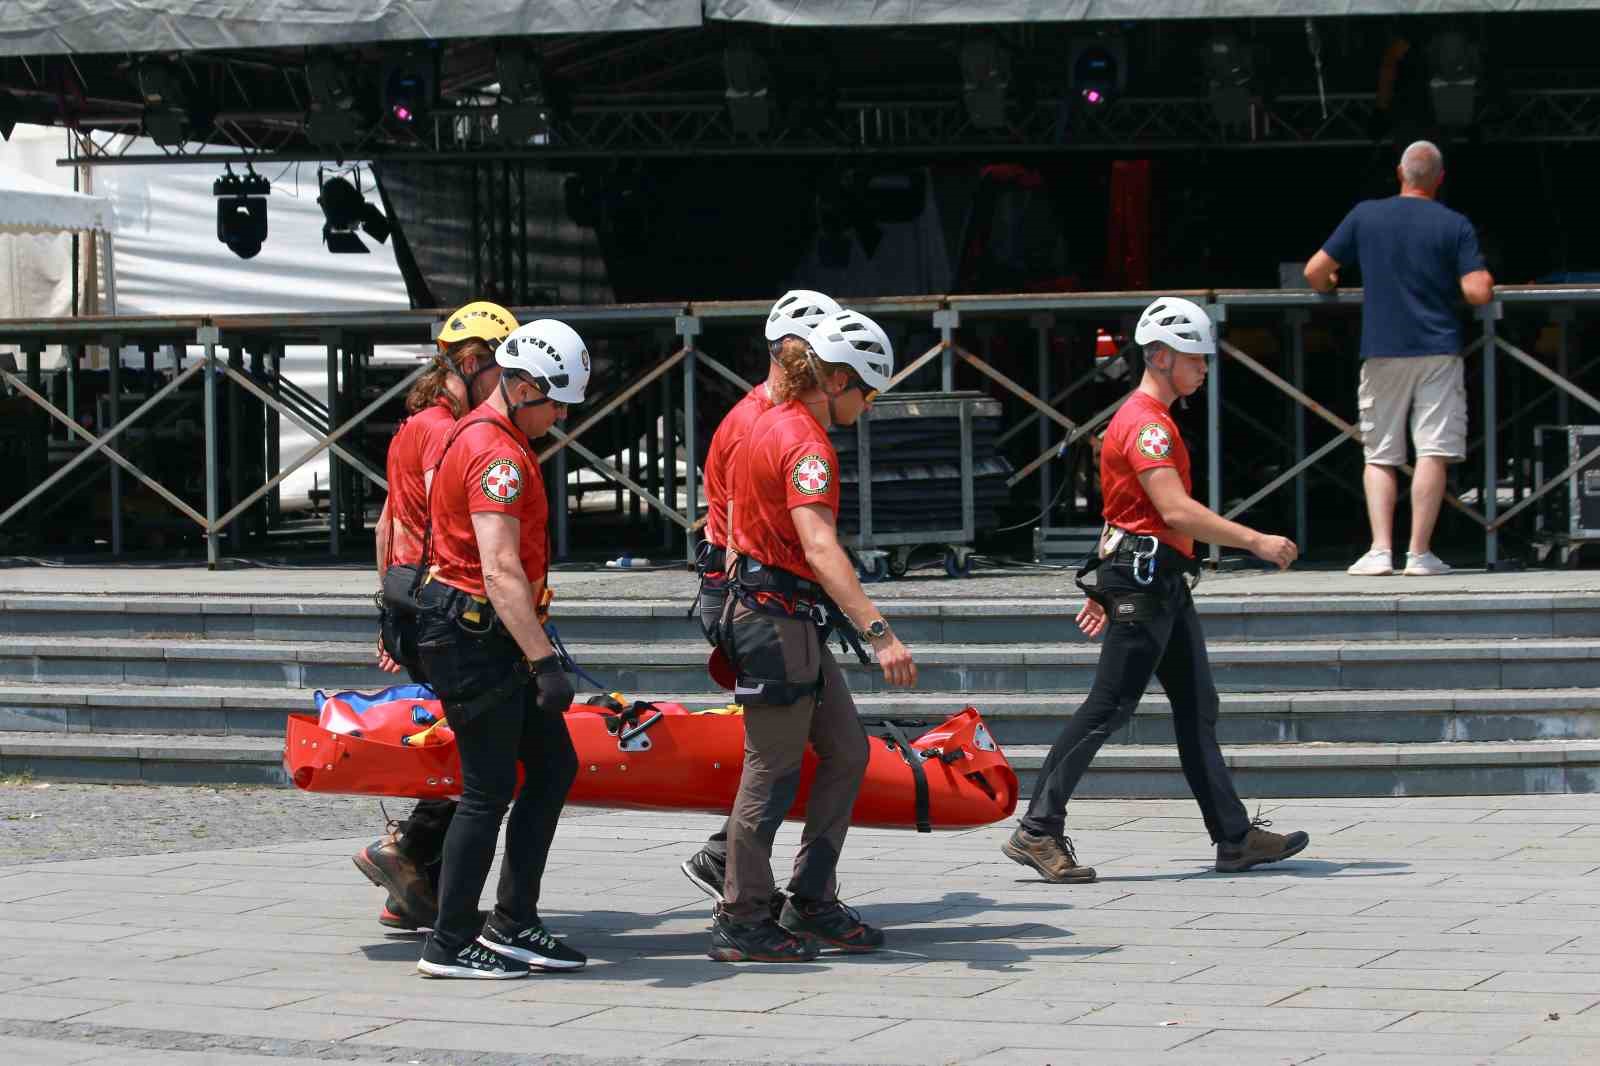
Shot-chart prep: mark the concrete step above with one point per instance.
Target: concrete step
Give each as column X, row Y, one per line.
column 1385, row 716
column 678, row 666
column 1380, row 616
column 1132, row 771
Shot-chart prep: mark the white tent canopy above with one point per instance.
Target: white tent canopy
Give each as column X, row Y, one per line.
column 31, row 206
column 28, row 205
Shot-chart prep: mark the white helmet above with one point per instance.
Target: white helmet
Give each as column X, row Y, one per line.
column 1180, row 324
column 553, row 354
column 854, row 340
column 796, row 312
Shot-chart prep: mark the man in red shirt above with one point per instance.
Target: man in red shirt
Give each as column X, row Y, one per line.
column 1152, row 629
column 793, row 584
column 788, row 325
column 405, row 863
column 504, row 690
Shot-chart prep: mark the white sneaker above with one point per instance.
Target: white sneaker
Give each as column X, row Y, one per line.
column 1376, row 563
column 1426, row 565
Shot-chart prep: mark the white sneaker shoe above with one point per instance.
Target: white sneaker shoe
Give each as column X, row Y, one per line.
column 1376, row 563
column 1426, row 565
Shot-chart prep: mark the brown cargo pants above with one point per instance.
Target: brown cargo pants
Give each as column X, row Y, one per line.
column 775, row 741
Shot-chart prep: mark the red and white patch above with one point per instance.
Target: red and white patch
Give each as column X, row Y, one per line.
column 812, row 475
column 1154, row 441
column 502, row 481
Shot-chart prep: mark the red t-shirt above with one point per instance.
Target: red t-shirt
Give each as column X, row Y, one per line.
column 1141, row 436
column 722, row 461
column 787, row 462
column 488, row 468
column 422, row 434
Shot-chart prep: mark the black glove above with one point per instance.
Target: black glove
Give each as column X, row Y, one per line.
column 554, row 688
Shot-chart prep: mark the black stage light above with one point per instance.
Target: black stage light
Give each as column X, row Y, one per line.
column 345, row 210
column 1230, row 71
column 166, row 102
column 523, row 114
column 1099, row 69
column 410, row 86
column 242, row 211
column 335, row 116
column 985, row 82
column 1454, row 63
column 748, row 95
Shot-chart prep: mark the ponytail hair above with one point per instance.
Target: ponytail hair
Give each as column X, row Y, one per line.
column 435, row 381
column 793, row 357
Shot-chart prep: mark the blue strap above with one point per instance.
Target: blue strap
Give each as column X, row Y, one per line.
column 568, row 663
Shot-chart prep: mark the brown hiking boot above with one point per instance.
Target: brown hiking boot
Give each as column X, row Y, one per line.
column 1051, row 855
column 407, row 883
column 1258, row 848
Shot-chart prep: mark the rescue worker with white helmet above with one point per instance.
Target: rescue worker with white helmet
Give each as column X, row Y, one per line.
column 792, row 586
column 787, row 326
column 1143, row 606
column 483, row 646
column 405, row 863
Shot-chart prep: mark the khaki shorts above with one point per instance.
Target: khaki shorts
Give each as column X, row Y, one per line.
column 1430, row 390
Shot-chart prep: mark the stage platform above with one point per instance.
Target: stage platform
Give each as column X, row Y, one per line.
column 1472, row 683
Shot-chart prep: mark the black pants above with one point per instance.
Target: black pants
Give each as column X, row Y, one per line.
column 489, row 701
column 1170, row 646
column 421, row 836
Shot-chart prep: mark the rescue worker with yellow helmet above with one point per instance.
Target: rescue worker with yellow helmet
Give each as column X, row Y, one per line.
column 405, row 862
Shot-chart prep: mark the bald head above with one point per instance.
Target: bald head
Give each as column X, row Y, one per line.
column 1421, row 168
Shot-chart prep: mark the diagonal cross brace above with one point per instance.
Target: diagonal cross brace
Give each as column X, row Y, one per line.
column 618, row 476
column 101, row 444
column 320, row 442
column 565, row 439
column 323, row 443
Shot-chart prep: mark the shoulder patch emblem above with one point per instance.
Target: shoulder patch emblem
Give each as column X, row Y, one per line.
column 811, row 475
column 502, row 480
column 1154, row 441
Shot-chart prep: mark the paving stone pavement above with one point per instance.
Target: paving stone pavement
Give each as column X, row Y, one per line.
column 1413, row 932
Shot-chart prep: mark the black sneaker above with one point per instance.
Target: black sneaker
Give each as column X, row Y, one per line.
column 533, row 946
column 474, row 962
column 832, row 923
column 707, row 870
column 762, row 941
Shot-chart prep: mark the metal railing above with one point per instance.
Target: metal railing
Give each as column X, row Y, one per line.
column 678, row 336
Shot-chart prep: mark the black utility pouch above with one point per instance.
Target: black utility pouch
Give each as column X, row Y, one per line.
column 764, row 677
column 1134, row 606
column 397, row 615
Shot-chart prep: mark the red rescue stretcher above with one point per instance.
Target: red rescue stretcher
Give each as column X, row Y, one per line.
column 649, row 756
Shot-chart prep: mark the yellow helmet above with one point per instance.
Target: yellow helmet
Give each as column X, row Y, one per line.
column 482, row 319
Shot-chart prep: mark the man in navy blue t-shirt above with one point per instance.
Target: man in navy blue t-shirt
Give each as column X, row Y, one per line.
column 1415, row 256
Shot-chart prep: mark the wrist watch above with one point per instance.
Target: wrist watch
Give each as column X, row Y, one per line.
column 877, row 629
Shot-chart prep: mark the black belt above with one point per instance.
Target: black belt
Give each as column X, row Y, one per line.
column 710, row 558
column 1134, row 551
column 753, row 578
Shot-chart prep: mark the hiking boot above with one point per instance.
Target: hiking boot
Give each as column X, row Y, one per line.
column 394, row 916
column 1049, row 853
column 1258, row 848
column 760, row 941
column 534, row 946
column 474, row 962
column 832, row 923
column 406, row 881
column 707, row 870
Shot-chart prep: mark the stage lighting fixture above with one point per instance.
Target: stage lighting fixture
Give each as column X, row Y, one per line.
column 985, row 81
column 1454, row 64
column 335, row 116
column 749, row 105
column 242, row 211
column 409, row 86
column 166, row 102
column 1099, row 69
column 523, row 114
column 1230, row 69
column 344, row 210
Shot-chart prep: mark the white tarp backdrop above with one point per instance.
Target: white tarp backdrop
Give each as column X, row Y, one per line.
column 169, row 261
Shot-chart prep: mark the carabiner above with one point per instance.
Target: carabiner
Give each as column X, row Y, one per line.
column 1144, row 562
